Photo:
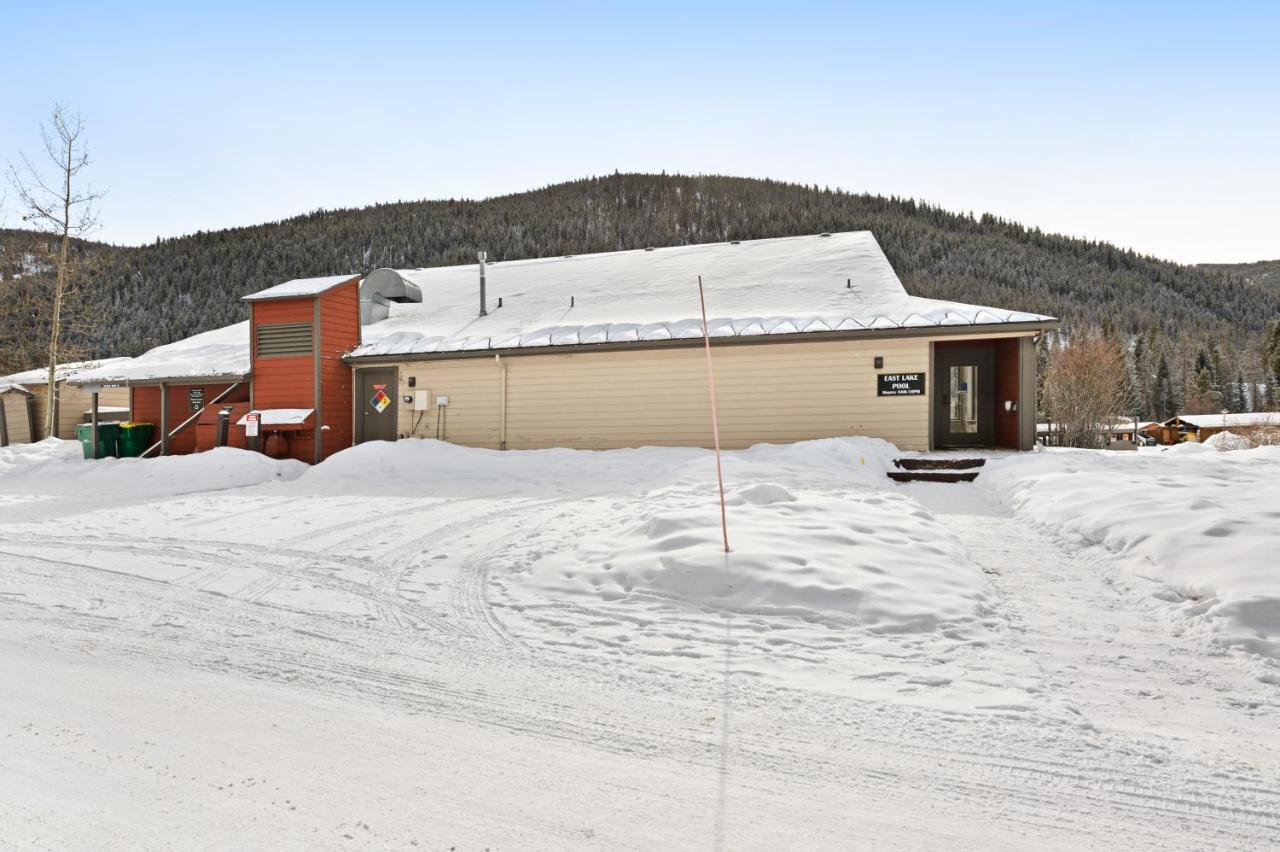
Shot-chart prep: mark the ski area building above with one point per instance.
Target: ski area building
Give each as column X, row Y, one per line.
column 811, row 337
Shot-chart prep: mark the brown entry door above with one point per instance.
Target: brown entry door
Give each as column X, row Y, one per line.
column 377, row 417
column 964, row 399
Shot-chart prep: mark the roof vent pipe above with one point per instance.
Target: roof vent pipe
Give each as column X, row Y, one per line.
column 482, row 256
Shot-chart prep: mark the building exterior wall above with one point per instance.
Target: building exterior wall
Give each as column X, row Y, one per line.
column 768, row 392
column 73, row 402
column 285, row 381
column 17, row 417
column 1007, row 388
column 339, row 312
column 146, row 409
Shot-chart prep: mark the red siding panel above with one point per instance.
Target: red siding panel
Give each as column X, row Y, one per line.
column 289, row 382
column 1006, row 387
column 1004, row 384
column 146, row 408
column 339, row 334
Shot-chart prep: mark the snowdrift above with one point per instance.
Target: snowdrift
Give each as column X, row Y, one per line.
column 821, row 541
column 875, row 560
column 429, row 468
column 52, row 477
column 1202, row 523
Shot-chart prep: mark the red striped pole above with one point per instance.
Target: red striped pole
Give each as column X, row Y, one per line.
column 715, row 425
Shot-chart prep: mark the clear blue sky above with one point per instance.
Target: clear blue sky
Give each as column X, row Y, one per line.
column 1156, row 125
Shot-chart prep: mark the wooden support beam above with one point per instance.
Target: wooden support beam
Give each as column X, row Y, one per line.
column 93, row 418
column 164, row 419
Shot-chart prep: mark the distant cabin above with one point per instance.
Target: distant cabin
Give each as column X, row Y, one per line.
column 811, row 337
column 1201, row 427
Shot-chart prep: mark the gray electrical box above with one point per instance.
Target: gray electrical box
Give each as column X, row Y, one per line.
column 421, row 400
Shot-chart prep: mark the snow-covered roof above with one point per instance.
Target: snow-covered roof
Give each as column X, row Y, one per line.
column 300, row 287
column 6, row 386
column 787, row 285
column 63, row 372
column 1249, row 418
column 1127, row 425
column 279, row 416
column 218, row 353
column 1118, row 425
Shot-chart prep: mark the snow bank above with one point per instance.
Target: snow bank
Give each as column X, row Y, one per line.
column 429, row 468
column 875, row 560
column 1203, row 524
column 52, row 477
column 16, row 458
column 1228, row 441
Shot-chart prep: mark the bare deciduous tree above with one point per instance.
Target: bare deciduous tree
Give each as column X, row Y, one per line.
column 1084, row 390
column 60, row 206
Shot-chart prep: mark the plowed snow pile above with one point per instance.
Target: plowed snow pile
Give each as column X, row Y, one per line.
column 1203, row 524
column 52, row 477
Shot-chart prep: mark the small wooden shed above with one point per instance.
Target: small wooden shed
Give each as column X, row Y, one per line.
column 70, row 401
column 15, row 414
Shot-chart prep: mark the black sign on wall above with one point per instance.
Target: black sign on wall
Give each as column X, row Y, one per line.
column 900, row 384
column 195, row 396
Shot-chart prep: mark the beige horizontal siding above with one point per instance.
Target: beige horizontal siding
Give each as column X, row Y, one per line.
column 73, row 402
column 16, row 419
column 596, row 400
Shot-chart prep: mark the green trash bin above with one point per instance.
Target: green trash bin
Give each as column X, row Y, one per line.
column 108, row 437
column 134, row 438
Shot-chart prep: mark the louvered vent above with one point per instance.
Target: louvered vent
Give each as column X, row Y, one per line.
column 286, row 338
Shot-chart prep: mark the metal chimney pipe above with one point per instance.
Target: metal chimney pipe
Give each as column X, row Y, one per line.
column 483, row 256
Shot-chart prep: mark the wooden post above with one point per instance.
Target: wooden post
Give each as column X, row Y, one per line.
column 4, row 425
column 164, row 419
column 93, row 418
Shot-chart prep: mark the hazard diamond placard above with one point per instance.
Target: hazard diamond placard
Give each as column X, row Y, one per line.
column 380, row 401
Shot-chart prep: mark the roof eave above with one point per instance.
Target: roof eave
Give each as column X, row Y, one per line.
column 225, row 378
column 1031, row 327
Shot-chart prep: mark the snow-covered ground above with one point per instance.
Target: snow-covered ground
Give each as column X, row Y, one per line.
column 420, row 645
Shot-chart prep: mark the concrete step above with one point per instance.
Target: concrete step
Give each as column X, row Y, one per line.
column 939, row 463
column 932, row 476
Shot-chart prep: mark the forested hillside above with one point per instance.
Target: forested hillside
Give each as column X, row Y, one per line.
column 151, row 294
column 1264, row 272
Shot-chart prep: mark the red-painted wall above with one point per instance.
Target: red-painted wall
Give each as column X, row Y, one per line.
column 146, row 408
column 1004, row 384
column 289, row 382
column 1006, row 387
column 207, row 427
column 339, row 334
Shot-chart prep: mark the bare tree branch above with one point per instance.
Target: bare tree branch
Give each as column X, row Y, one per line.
column 56, row 204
